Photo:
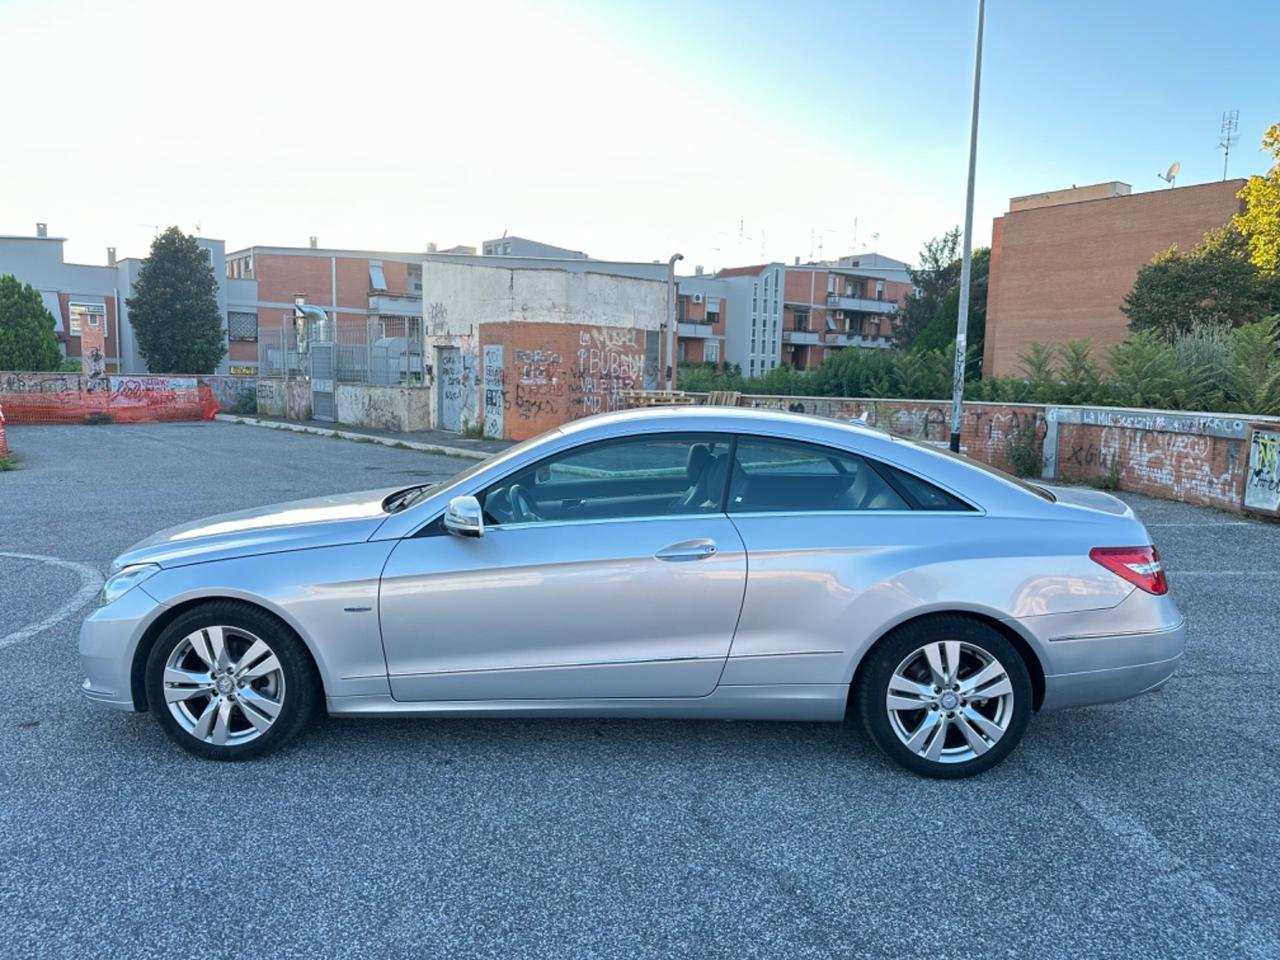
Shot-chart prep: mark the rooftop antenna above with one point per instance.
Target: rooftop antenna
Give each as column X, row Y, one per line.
column 1171, row 175
column 1229, row 135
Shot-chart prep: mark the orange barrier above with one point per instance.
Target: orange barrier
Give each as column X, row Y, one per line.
column 125, row 400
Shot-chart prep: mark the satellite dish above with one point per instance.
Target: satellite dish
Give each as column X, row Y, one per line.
column 1171, row 174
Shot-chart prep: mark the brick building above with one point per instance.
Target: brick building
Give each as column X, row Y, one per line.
column 351, row 286
column 1062, row 262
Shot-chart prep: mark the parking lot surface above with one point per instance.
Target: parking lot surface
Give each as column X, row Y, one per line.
column 1141, row 829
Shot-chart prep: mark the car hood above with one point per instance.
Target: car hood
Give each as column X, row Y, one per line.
column 297, row 525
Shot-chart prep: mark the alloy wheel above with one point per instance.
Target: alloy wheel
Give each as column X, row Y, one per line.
column 949, row 701
column 223, row 685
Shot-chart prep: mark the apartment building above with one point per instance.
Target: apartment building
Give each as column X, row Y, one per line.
column 521, row 247
column 701, row 315
column 1063, row 261
column 797, row 314
column 353, row 287
column 96, row 295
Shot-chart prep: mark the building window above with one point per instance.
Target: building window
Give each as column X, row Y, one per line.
column 711, row 351
column 802, row 319
column 242, row 325
column 87, row 314
column 377, row 279
column 831, row 284
column 879, row 289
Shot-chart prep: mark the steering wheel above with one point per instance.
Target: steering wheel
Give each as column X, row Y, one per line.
column 522, row 509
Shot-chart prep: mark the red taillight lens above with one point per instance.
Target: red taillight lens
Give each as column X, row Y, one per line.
column 1139, row 565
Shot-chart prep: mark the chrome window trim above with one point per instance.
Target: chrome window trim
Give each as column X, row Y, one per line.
column 599, row 520
column 857, row 513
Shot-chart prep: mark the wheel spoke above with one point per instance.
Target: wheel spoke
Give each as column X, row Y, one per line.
column 906, row 694
column 200, row 645
column 933, row 653
column 184, row 684
column 205, row 722
column 992, row 730
column 269, row 665
column 259, row 719
column 990, row 672
column 263, row 704
column 931, row 724
column 976, row 743
column 998, row 689
column 952, row 650
column 218, row 644
column 257, row 650
column 222, row 723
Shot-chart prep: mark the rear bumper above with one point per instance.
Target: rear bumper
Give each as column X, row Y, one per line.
column 1150, row 659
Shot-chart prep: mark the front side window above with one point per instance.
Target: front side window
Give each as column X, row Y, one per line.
column 774, row 476
column 655, row 475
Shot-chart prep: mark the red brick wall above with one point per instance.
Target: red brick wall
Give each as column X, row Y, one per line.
column 557, row 372
column 1061, row 272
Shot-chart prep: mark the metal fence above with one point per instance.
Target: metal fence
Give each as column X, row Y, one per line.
column 380, row 350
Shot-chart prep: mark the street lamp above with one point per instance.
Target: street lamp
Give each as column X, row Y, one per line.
column 671, row 317
column 966, row 262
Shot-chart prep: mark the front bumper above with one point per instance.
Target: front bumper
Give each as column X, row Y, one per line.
column 108, row 639
column 1107, row 655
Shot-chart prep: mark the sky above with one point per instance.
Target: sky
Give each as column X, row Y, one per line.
column 732, row 132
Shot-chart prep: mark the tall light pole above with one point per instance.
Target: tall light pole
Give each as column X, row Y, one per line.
column 966, row 262
column 671, row 317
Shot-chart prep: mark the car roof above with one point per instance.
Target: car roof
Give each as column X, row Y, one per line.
column 703, row 416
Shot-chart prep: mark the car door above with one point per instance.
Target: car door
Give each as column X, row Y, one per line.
column 606, row 571
column 824, row 529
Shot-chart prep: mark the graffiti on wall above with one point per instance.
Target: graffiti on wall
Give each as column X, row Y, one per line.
column 494, row 374
column 1262, row 478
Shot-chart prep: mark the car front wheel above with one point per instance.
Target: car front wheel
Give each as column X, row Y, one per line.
column 228, row 681
column 945, row 697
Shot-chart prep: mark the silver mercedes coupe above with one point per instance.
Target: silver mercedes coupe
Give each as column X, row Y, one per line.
column 698, row 562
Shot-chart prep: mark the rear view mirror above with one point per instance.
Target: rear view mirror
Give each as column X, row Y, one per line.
column 464, row 518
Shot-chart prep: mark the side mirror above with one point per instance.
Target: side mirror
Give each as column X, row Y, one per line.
column 464, row 518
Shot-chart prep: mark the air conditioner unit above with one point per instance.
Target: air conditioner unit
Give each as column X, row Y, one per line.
column 697, row 298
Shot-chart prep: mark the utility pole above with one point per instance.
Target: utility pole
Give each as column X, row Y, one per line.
column 966, row 262
column 671, row 318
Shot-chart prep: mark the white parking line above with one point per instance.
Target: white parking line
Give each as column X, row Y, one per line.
column 1223, row 573
column 90, row 583
column 1212, row 523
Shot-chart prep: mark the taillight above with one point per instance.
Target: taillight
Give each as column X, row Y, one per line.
column 1139, row 565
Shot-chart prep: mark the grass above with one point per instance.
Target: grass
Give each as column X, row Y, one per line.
column 8, row 463
column 97, row 418
column 1109, row 480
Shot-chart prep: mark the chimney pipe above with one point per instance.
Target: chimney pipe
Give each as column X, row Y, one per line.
column 697, row 271
column 313, row 243
column 797, row 261
column 42, row 230
column 111, row 256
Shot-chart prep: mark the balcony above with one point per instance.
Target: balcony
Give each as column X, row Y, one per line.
column 395, row 304
column 800, row 336
column 857, row 340
column 861, row 303
column 699, row 330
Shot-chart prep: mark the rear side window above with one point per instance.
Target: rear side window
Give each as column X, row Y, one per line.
column 775, row 476
column 924, row 494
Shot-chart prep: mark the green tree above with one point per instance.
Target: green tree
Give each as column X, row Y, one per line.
column 1259, row 224
column 940, row 333
column 1215, row 285
column 936, row 275
column 174, row 310
column 27, row 338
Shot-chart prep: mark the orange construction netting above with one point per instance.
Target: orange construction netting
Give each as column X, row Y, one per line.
column 4, row 447
column 130, row 404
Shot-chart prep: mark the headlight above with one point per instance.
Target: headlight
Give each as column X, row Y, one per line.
column 118, row 584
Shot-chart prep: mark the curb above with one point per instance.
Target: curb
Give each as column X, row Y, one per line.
column 434, row 448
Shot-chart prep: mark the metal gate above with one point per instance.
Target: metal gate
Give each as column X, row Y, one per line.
column 450, row 389
column 324, row 402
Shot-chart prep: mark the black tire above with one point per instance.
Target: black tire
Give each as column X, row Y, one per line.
column 892, row 650
column 302, row 689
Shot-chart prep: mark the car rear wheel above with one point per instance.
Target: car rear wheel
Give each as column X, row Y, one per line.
column 230, row 682
column 945, row 697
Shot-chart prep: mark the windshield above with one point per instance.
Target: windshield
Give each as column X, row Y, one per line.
column 403, row 499
column 1035, row 488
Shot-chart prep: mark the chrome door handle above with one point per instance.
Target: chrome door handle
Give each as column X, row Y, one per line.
column 687, row 550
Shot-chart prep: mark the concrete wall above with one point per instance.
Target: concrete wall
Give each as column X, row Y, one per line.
column 290, row 399
column 383, row 408
column 1198, row 458
column 226, row 390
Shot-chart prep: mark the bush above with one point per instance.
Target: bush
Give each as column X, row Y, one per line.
column 1025, row 450
column 246, row 405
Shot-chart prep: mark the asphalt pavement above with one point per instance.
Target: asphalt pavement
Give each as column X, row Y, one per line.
column 1143, row 829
